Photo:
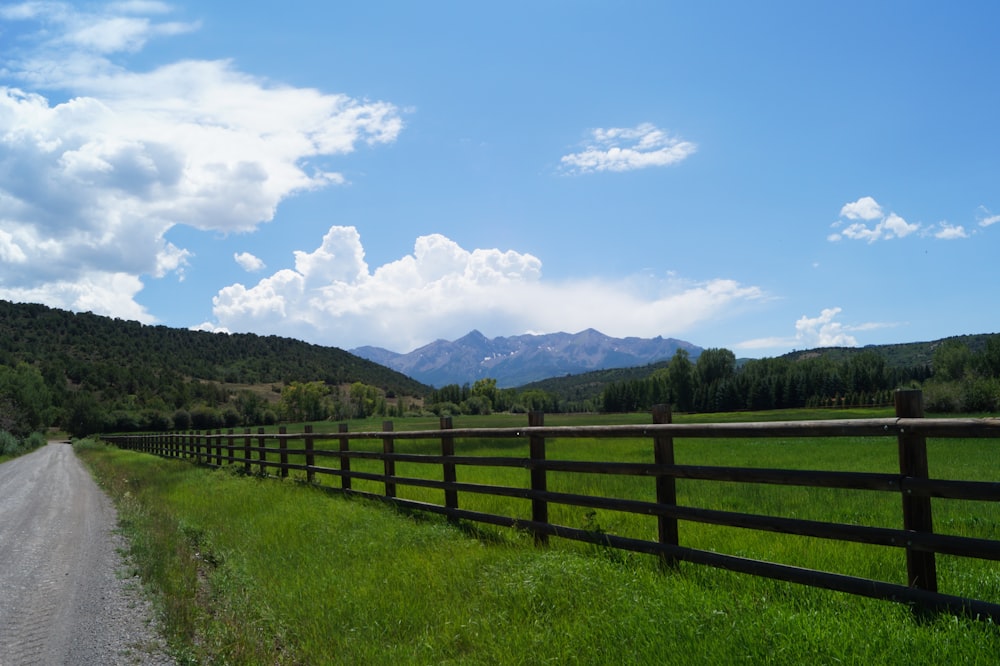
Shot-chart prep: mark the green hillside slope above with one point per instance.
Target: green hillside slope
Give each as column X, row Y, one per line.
column 124, row 366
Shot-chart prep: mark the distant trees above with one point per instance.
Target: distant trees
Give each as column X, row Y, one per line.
column 714, row 383
column 483, row 397
column 964, row 380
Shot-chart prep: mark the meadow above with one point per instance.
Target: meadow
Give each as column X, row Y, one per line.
column 255, row 570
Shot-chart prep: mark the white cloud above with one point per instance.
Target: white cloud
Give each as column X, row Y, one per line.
column 864, row 208
column 886, row 227
column 823, row 331
column 814, row 332
column 108, row 294
column 986, row 218
column 626, row 149
column 248, row 262
column 444, row 290
column 90, row 186
column 950, row 232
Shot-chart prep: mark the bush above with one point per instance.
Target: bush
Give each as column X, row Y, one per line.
column 206, row 418
column 35, row 440
column 157, row 421
column 182, row 419
column 980, row 395
column 445, row 409
column 230, row 417
column 942, row 397
column 9, row 445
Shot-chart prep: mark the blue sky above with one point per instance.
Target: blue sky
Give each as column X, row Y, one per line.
column 756, row 176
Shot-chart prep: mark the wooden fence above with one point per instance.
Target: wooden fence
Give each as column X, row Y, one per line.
column 267, row 453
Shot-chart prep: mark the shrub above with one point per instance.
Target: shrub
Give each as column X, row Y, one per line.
column 206, row 418
column 155, row 420
column 182, row 419
column 942, row 397
column 980, row 395
column 445, row 409
column 9, row 445
column 230, row 417
column 35, row 440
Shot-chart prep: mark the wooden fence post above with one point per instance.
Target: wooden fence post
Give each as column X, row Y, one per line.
column 310, row 458
column 448, row 470
column 920, row 567
column 388, row 448
column 218, row 448
column 536, row 446
column 230, row 445
column 261, row 453
column 345, row 460
column 283, row 452
column 666, row 486
column 246, row 450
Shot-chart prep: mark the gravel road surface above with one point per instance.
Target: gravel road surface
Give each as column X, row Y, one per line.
column 63, row 597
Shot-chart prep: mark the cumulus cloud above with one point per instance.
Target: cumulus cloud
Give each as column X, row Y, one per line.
column 443, row 290
column 248, row 262
column 89, row 186
column 812, row 332
column 864, row 208
column 627, row 149
column 823, row 331
column 868, row 210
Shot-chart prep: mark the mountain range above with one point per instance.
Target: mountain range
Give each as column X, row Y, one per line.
column 522, row 359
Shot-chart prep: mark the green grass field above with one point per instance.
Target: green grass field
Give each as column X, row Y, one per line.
column 250, row 570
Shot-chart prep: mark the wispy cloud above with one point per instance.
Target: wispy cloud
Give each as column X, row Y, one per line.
column 331, row 296
column 986, row 218
column 627, row 149
column 90, row 186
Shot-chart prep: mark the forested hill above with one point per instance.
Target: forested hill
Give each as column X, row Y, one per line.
column 87, row 373
column 86, row 346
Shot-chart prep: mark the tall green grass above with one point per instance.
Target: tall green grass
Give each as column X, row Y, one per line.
column 250, row 570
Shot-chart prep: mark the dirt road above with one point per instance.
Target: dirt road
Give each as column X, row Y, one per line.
column 63, row 598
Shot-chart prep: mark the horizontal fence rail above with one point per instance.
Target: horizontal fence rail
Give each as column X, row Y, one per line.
column 331, row 453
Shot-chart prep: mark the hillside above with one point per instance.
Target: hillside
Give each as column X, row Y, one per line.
column 125, row 374
column 521, row 359
column 84, row 344
column 898, row 355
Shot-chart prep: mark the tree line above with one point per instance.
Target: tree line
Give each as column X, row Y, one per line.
column 958, row 379
column 483, row 397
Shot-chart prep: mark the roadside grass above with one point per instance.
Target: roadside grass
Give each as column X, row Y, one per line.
column 248, row 570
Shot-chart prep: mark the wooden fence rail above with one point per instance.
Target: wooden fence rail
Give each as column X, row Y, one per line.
column 912, row 483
